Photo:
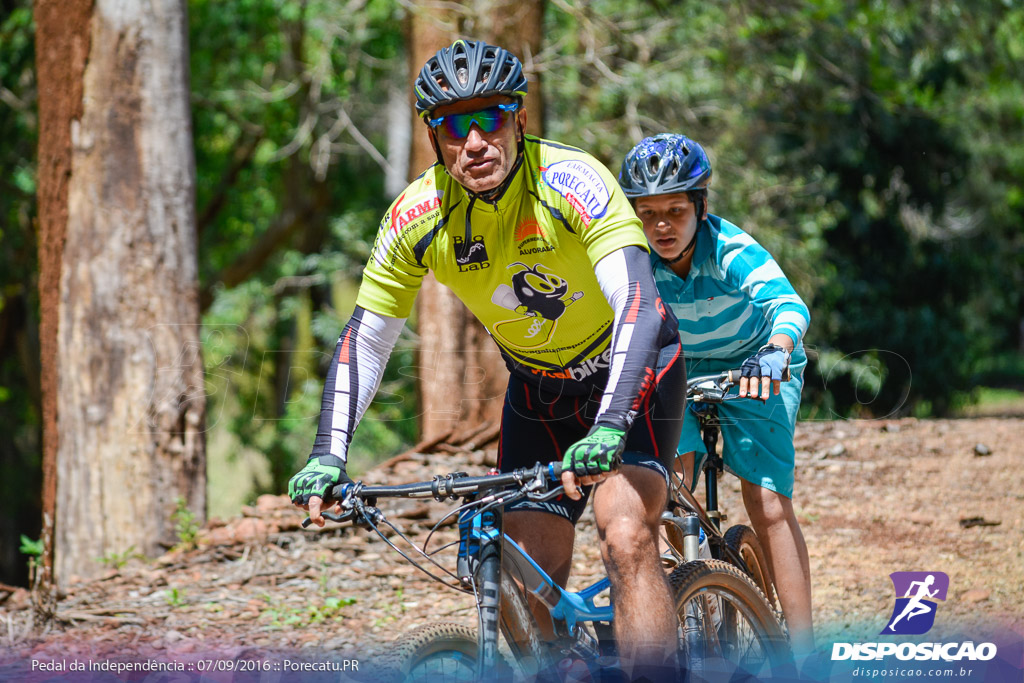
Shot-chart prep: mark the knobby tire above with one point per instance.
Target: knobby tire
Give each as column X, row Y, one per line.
column 743, row 541
column 440, row 653
column 747, row 635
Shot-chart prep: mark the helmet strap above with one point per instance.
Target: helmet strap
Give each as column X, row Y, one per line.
column 436, row 145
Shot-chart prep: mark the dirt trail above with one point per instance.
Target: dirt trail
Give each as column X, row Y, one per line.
column 873, row 497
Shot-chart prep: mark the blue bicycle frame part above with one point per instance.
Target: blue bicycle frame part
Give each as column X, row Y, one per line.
column 566, row 608
column 475, row 530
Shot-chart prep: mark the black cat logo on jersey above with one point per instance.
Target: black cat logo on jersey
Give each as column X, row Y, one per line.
column 540, row 293
column 539, row 296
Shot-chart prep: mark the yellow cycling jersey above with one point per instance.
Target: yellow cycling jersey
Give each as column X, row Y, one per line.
column 522, row 263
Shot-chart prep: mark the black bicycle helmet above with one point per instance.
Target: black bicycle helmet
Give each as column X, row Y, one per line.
column 467, row 69
column 665, row 164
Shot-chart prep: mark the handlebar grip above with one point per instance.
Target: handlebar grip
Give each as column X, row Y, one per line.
column 339, row 491
column 555, row 470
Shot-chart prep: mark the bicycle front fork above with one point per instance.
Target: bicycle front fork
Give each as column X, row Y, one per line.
column 479, row 566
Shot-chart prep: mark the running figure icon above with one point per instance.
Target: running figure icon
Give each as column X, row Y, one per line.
column 916, row 606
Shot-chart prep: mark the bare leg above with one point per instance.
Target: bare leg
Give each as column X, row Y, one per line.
column 774, row 521
column 628, row 509
column 548, row 539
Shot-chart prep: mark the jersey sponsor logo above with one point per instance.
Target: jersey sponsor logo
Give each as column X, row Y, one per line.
column 531, row 239
column 421, row 206
column 581, row 185
column 540, row 297
column 527, row 229
column 401, row 216
column 473, row 257
column 579, row 372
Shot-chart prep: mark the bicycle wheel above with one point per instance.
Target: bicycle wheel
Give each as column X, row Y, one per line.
column 519, row 628
column 725, row 623
column 440, row 653
column 743, row 541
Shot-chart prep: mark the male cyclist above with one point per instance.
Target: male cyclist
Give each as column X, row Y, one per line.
column 735, row 308
column 536, row 238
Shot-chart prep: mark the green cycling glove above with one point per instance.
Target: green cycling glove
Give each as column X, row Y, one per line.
column 598, row 452
column 318, row 477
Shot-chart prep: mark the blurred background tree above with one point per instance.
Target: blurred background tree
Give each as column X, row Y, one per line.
column 872, row 146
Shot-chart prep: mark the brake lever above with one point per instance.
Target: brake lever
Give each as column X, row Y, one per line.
column 547, row 495
column 331, row 517
column 354, row 508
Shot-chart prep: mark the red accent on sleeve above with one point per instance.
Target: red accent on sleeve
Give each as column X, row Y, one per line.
column 343, row 354
column 634, row 309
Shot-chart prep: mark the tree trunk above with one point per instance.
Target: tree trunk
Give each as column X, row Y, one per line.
column 462, row 376
column 123, row 384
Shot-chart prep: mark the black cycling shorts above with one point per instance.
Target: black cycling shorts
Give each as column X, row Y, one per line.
column 539, row 426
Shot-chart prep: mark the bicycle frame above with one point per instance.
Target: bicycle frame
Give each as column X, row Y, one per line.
column 707, row 392
column 479, row 547
column 485, row 551
column 566, row 607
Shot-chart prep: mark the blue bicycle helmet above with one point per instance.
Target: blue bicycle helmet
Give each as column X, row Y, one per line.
column 665, row 164
column 467, row 69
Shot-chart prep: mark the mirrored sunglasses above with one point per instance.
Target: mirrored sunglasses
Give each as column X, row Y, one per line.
column 488, row 120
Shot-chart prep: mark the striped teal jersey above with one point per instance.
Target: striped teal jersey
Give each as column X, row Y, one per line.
column 732, row 301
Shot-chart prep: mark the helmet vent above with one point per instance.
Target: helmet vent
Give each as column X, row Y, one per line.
column 468, row 69
column 667, row 163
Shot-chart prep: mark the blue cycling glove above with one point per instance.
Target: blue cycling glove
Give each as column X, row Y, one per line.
column 770, row 361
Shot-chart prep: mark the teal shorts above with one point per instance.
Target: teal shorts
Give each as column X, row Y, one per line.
column 757, row 438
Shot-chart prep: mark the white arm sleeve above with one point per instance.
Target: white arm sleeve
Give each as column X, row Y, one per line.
column 353, row 378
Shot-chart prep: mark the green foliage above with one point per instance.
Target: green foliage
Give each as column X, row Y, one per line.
column 118, row 560
column 175, row 598
column 279, row 616
column 288, row 99
column 31, row 548
column 34, row 550
column 20, row 447
column 186, row 527
column 871, row 147
column 890, row 128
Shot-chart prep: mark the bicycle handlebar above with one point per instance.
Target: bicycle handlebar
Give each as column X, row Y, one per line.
column 442, row 487
column 712, row 388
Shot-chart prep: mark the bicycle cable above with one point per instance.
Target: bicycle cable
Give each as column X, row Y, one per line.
column 410, row 560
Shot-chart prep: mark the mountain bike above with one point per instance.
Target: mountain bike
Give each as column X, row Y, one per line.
column 732, row 590
column 497, row 571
